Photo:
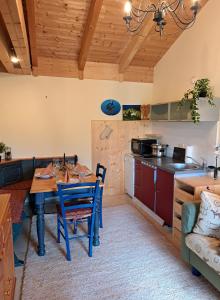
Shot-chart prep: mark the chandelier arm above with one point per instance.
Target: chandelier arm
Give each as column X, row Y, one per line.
column 142, row 15
column 135, row 29
column 150, row 8
column 185, row 25
column 168, row 6
column 187, row 15
column 181, row 21
column 137, row 21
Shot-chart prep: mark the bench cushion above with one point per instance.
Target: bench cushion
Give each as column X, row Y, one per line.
column 17, row 199
column 21, row 185
column 207, row 248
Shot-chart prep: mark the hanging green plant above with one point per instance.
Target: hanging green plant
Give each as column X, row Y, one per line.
column 201, row 89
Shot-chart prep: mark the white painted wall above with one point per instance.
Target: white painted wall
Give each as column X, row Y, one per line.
column 202, row 137
column 196, row 54
column 45, row 116
column 35, row 125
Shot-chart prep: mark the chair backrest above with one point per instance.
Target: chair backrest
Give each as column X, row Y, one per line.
column 69, row 192
column 100, row 172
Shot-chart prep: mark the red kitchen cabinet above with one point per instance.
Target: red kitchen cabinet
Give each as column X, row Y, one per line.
column 164, row 196
column 144, row 184
column 138, row 188
column 148, row 187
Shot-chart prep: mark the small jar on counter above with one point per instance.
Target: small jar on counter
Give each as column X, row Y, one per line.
column 8, row 155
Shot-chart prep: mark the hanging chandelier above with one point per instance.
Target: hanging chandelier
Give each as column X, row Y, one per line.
column 137, row 11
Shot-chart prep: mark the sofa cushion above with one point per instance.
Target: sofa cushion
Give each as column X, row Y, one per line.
column 208, row 222
column 207, row 248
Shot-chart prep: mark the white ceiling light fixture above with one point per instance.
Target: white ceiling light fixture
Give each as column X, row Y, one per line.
column 15, row 59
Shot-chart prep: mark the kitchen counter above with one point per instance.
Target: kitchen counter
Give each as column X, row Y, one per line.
column 197, row 181
column 163, row 163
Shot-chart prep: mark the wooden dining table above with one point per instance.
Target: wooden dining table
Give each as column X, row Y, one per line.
column 40, row 188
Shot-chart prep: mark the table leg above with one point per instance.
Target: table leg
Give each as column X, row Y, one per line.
column 96, row 241
column 39, row 204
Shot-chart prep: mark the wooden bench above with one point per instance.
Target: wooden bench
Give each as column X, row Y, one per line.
column 21, row 185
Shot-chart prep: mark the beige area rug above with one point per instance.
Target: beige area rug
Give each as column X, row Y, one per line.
column 134, row 262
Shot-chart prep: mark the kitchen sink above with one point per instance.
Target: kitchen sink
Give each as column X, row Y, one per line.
column 184, row 166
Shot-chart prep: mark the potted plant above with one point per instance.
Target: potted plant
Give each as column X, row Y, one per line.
column 201, row 89
column 2, row 149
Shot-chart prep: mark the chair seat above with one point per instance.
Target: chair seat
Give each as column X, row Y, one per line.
column 16, row 201
column 21, row 185
column 75, row 214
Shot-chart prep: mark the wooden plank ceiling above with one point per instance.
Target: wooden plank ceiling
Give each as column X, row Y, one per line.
column 80, row 38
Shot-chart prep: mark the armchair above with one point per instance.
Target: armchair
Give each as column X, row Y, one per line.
column 190, row 213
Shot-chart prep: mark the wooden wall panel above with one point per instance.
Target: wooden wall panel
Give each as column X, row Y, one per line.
column 110, row 151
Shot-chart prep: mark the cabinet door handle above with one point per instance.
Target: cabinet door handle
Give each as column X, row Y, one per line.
column 7, row 293
column 9, row 280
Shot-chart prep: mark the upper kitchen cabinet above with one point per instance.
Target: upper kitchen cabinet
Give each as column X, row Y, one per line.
column 208, row 113
column 159, row 112
column 178, row 113
column 173, row 112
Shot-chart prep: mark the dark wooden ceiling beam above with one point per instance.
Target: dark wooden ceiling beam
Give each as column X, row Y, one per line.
column 134, row 45
column 94, row 11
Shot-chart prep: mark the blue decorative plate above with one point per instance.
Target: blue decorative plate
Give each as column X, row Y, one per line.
column 110, row 107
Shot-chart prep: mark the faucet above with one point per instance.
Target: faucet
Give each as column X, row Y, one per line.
column 215, row 168
column 204, row 161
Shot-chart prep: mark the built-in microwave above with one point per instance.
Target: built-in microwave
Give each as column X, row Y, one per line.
column 142, row 146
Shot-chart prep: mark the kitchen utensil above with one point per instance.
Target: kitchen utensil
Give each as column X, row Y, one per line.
column 179, row 154
column 159, row 150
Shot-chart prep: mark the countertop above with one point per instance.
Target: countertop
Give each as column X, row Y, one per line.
column 163, row 163
column 197, row 181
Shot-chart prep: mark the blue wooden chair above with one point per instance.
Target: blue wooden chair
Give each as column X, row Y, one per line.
column 71, row 210
column 100, row 174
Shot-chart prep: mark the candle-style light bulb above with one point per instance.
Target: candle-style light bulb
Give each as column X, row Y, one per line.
column 195, row 6
column 128, row 7
column 195, row 2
